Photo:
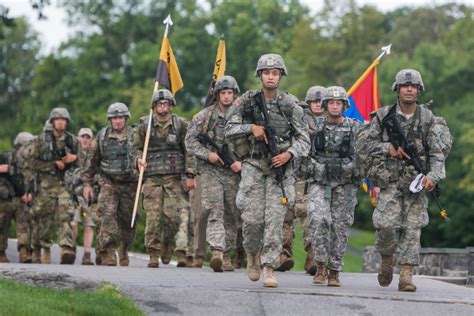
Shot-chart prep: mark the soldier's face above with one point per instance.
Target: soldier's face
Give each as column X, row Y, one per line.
column 85, row 141
column 408, row 93
column 59, row 124
column 316, row 107
column 270, row 78
column 226, row 97
column 335, row 108
column 163, row 107
column 118, row 122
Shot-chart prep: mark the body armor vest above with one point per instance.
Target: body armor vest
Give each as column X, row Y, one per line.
column 115, row 155
column 165, row 155
column 7, row 188
column 49, row 151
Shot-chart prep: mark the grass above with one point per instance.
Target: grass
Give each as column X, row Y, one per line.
column 19, row 299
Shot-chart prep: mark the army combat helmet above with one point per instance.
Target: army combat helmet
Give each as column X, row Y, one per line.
column 59, row 113
column 162, row 94
column 270, row 61
column 118, row 109
column 226, row 82
column 335, row 93
column 408, row 76
column 23, row 138
column 315, row 93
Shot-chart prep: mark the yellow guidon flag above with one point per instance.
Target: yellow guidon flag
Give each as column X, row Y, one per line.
column 219, row 65
column 167, row 72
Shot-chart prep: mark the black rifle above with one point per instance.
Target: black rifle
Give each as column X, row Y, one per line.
column 223, row 151
column 398, row 138
column 270, row 132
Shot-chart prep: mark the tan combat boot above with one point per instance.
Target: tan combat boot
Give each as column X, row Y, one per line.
column 226, row 264
column 25, row 256
column 253, row 267
column 3, row 257
column 189, row 261
column 123, row 256
column 333, row 278
column 86, row 259
column 197, row 262
column 239, row 260
column 154, row 262
column 405, row 283
column 68, row 256
column 216, row 261
column 181, row 258
column 286, row 263
column 309, row 265
column 321, row 276
column 109, row 258
column 166, row 253
column 46, row 258
column 269, row 279
column 385, row 275
column 36, row 257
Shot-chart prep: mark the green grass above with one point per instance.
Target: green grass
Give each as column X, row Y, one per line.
column 19, row 299
column 352, row 263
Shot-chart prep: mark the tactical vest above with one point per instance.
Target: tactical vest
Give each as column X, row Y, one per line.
column 331, row 153
column 115, row 156
column 165, row 155
column 7, row 189
column 49, row 150
column 280, row 111
column 214, row 126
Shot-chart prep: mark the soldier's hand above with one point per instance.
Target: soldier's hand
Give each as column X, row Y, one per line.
column 4, row 168
column 26, row 198
column 214, row 158
column 69, row 158
column 392, row 151
column 259, row 133
column 428, row 184
column 236, row 166
column 281, row 159
column 402, row 154
column 189, row 184
column 141, row 164
column 87, row 192
column 60, row 164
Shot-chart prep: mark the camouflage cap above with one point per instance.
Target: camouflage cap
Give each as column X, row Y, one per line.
column 23, row 138
column 59, row 113
column 335, row 93
column 226, row 82
column 271, row 61
column 408, row 76
column 315, row 93
column 162, row 94
column 85, row 131
column 118, row 109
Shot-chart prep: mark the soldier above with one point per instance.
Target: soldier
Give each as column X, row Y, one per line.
column 52, row 154
column 112, row 159
column 314, row 113
column 88, row 211
column 167, row 162
column 261, row 198
column 400, row 214
column 332, row 191
column 219, row 172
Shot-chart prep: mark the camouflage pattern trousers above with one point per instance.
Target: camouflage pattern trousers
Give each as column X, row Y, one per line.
column 163, row 199
column 115, row 204
column 15, row 209
column 331, row 213
column 52, row 205
column 398, row 219
column 260, row 200
column 219, row 191
column 186, row 225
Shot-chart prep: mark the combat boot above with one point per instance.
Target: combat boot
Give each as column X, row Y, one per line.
column 166, row 253
column 46, row 258
column 123, row 256
column 239, row 259
column 269, row 279
column 226, row 264
column 25, row 256
column 181, row 258
column 36, row 257
column 286, row 263
column 253, row 267
column 3, row 257
column 321, row 276
column 154, row 262
column 68, row 256
column 216, row 261
column 86, row 259
column 109, row 258
column 385, row 275
column 405, row 283
column 333, row 278
column 309, row 265
column 197, row 262
column 98, row 258
column 189, row 261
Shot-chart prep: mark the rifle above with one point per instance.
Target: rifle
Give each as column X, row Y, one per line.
column 398, row 138
column 223, row 152
column 270, row 132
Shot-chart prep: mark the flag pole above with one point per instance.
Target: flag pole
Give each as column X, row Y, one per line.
column 210, row 98
column 168, row 22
